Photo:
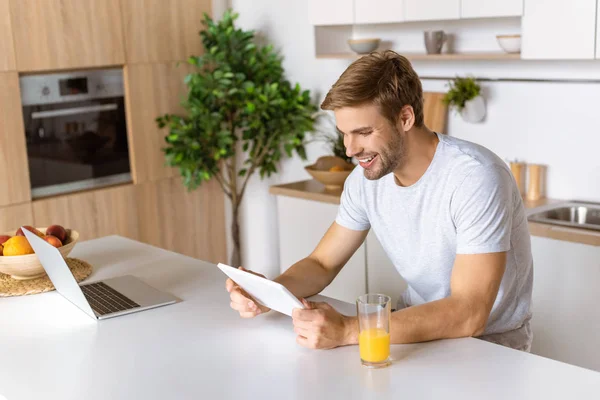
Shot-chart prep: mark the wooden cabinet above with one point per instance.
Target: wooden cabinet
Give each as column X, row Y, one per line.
column 566, row 320
column 110, row 211
column 159, row 213
column 15, row 216
column 553, row 30
column 331, row 12
column 163, row 30
column 378, row 11
column 15, row 187
column 298, row 237
column 151, row 90
column 66, row 34
column 425, row 10
column 190, row 223
column 491, row 8
column 7, row 50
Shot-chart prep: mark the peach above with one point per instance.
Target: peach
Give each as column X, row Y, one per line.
column 30, row 229
column 53, row 240
column 58, row 231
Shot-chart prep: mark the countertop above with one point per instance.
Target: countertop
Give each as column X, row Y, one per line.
column 313, row 190
column 201, row 349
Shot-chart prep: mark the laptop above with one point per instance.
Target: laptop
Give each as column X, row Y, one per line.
column 100, row 300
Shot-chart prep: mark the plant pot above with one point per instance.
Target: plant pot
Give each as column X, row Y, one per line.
column 474, row 110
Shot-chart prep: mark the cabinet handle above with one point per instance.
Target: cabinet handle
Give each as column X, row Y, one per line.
column 72, row 111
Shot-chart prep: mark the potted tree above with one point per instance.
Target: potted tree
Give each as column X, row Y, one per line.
column 239, row 106
column 465, row 96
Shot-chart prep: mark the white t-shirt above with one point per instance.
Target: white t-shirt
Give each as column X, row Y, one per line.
column 467, row 202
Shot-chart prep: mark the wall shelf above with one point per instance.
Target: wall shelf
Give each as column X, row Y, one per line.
column 433, row 57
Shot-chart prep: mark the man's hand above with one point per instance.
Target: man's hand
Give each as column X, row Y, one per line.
column 320, row 326
column 242, row 301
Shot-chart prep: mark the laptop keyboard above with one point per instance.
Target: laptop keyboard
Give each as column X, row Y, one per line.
column 105, row 300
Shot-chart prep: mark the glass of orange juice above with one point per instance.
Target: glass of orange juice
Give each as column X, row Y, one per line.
column 374, row 315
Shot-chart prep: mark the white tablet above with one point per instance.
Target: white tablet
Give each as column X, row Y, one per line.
column 268, row 293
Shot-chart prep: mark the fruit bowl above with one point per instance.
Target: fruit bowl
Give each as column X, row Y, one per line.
column 28, row 266
column 321, row 171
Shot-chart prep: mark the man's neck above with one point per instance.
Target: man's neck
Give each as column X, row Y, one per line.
column 420, row 145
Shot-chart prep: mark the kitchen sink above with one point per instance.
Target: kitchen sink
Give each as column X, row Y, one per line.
column 573, row 214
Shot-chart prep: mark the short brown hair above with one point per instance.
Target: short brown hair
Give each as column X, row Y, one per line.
column 385, row 79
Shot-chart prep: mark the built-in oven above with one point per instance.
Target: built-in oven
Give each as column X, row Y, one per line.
column 76, row 131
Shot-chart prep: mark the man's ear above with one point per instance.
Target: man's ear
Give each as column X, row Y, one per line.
column 406, row 118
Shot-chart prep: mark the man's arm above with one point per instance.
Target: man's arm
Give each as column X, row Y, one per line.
column 474, row 286
column 312, row 274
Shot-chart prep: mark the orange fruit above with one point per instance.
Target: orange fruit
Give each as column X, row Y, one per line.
column 17, row 246
column 336, row 168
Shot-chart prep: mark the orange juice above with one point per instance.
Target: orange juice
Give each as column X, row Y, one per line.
column 374, row 345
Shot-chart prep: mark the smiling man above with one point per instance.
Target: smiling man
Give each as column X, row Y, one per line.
column 447, row 212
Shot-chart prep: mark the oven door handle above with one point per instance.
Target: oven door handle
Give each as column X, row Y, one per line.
column 73, row 111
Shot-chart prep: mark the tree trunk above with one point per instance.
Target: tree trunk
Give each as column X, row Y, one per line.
column 236, row 255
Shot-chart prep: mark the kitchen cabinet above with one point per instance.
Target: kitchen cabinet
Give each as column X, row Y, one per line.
column 331, row 12
column 566, row 320
column 426, row 10
column 190, row 223
column 299, row 236
column 7, row 50
column 598, row 31
column 163, row 30
column 491, row 8
column 66, row 34
column 378, row 11
column 110, row 211
column 14, row 180
column 553, row 30
column 161, row 213
column 15, row 216
column 151, row 90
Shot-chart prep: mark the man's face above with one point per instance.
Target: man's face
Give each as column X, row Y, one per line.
column 372, row 139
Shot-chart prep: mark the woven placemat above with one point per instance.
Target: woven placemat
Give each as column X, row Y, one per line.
column 13, row 287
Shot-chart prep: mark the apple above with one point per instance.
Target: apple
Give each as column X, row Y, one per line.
column 4, row 238
column 57, row 231
column 1, row 249
column 30, row 229
column 53, row 240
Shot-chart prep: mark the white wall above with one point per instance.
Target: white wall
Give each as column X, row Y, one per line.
column 550, row 123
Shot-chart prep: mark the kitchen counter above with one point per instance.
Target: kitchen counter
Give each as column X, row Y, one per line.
column 199, row 348
column 313, row 190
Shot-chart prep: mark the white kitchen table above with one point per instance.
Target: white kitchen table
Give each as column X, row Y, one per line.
column 200, row 349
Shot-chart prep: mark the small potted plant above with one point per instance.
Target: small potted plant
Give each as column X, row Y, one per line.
column 465, row 96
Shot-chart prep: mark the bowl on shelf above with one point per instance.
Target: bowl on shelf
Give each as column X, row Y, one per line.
column 509, row 43
column 364, row 46
column 331, row 171
column 28, row 266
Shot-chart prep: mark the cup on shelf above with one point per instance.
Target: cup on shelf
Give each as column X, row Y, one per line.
column 434, row 40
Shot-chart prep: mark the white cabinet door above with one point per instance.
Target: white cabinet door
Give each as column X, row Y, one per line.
column 598, row 31
column 378, row 11
column 556, row 29
column 331, row 12
column 382, row 276
column 491, row 8
column 302, row 224
column 425, row 10
column 566, row 318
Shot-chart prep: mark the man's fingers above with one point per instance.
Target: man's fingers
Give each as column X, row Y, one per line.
column 302, row 331
column 305, row 315
column 229, row 285
column 305, row 342
column 302, row 324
